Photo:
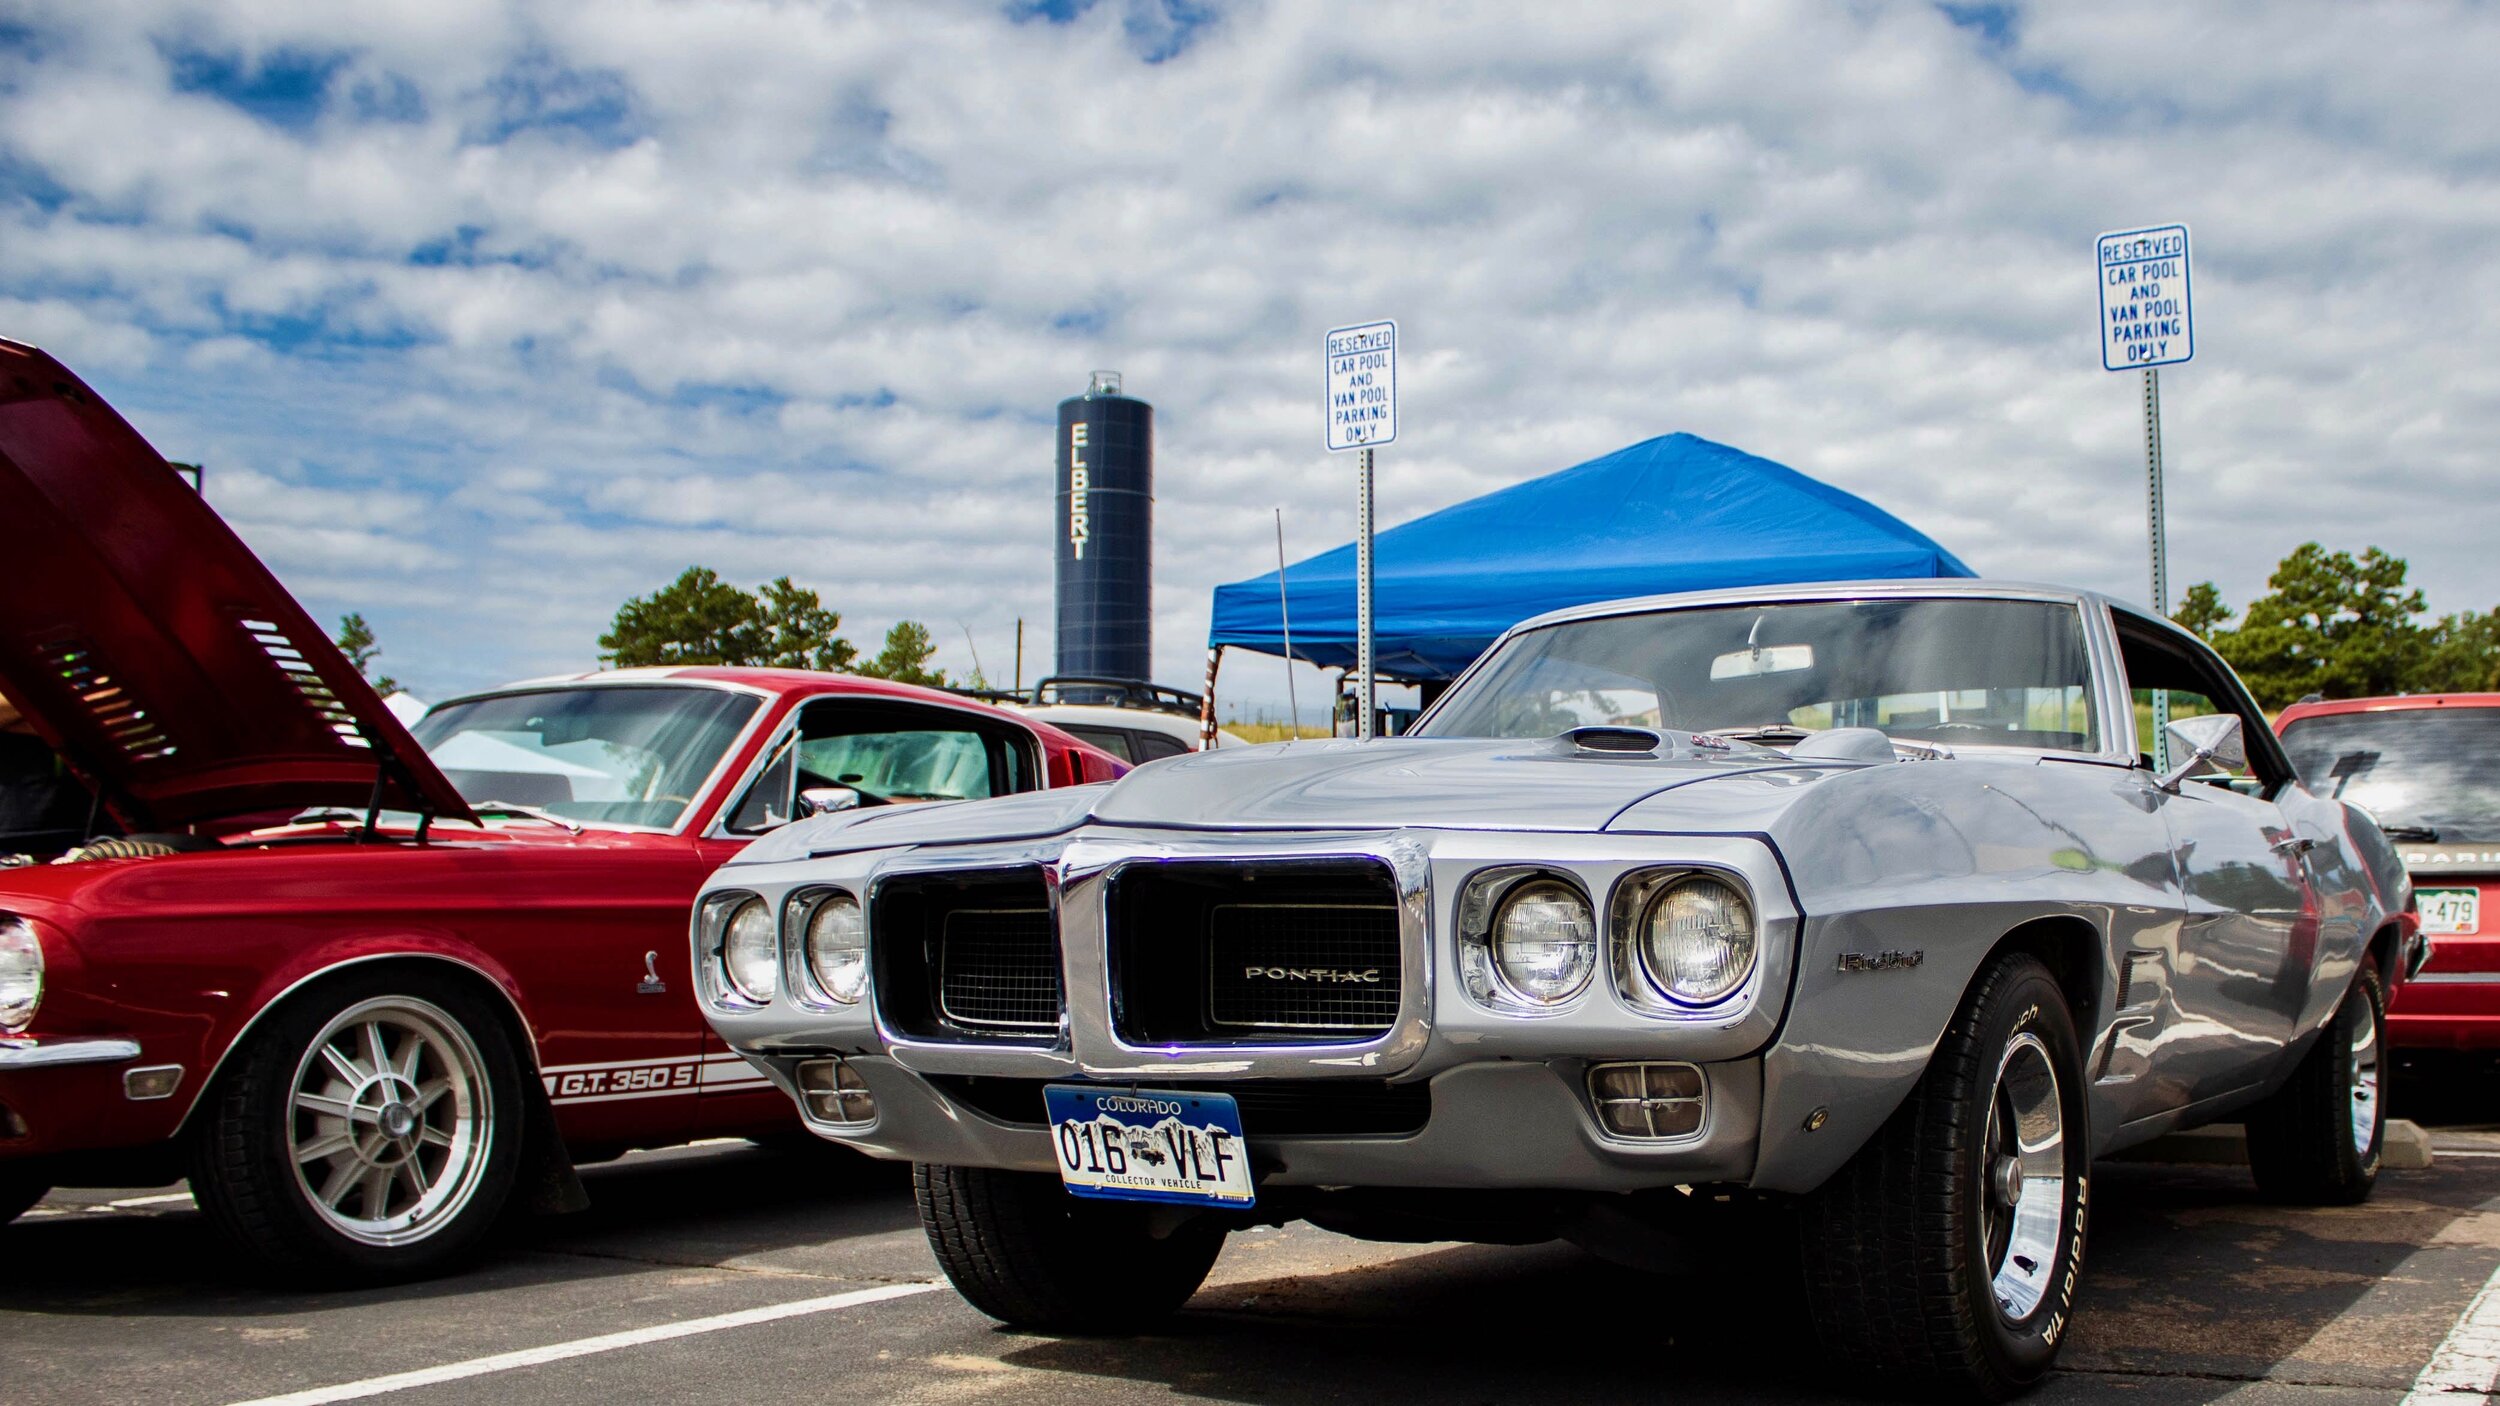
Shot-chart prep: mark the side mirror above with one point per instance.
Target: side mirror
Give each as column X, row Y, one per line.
column 2215, row 737
column 825, row 800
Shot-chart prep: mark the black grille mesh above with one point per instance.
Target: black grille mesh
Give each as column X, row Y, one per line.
column 999, row 967
column 1289, row 966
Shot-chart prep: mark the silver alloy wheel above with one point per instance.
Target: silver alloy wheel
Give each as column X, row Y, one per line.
column 2023, row 1177
column 2364, row 1081
column 388, row 1121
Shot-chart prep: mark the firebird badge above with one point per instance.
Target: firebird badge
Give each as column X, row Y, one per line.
column 1890, row 959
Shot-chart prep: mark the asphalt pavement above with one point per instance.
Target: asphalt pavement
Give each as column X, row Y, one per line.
column 735, row 1274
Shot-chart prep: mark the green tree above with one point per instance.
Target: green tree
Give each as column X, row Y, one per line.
column 905, row 658
column 2332, row 624
column 2463, row 655
column 798, row 631
column 2203, row 612
column 701, row 619
column 355, row 640
column 696, row 619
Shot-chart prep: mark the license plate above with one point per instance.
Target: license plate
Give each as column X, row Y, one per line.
column 1149, row 1145
column 2449, row 912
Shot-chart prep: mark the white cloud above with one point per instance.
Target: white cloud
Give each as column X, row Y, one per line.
column 486, row 314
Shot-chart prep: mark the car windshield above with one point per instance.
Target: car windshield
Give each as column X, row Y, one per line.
column 615, row 755
column 1958, row 672
column 2428, row 768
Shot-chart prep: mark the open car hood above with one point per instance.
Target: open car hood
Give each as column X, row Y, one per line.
column 143, row 640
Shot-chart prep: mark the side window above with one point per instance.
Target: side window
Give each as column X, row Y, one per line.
column 770, row 801
column 887, row 753
column 1111, row 739
column 1153, row 746
column 2195, row 684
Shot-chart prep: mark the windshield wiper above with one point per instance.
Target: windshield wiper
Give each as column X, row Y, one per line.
column 2419, row 834
column 1762, row 732
column 482, row 809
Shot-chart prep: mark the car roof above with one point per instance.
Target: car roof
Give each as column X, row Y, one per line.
column 1887, row 589
column 2388, row 703
column 1142, row 719
column 753, row 679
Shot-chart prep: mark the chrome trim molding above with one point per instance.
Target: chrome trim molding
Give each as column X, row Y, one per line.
column 39, row 1054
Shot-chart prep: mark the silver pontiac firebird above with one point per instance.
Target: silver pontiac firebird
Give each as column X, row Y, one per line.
column 1860, row 902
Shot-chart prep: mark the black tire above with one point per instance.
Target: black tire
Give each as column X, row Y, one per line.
column 1902, row 1245
column 18, row 1194
column 245, row 1155
column 1019, row 1248
column 2305, row 1142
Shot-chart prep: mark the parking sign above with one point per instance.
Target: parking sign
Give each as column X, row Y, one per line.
column 1362, row 385
column 2147, row 317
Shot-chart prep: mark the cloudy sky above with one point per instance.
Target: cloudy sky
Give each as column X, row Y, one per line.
column 487, row 314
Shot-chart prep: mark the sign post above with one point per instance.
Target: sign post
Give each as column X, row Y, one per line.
column 2148, row 321
column 1362, row 414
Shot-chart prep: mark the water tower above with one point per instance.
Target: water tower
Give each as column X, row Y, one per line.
column 1106, row 533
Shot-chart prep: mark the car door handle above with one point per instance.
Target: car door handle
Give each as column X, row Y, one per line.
column 2294, row 844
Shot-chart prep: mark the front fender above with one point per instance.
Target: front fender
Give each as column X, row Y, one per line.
column 337, row 954
column 1876, row 988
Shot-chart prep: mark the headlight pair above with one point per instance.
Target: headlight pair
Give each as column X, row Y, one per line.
column 830, row 935
column 1533, row 943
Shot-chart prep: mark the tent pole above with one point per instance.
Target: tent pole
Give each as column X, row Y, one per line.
column 1206, row 701
column 1284, row 613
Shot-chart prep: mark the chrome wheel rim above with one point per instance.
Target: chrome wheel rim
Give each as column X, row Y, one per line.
column 389, row 1120
column 2364, row 1082
column 2023, row 1178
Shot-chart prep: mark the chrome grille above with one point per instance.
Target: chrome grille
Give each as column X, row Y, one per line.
column 998, row 968
column 1302, row 966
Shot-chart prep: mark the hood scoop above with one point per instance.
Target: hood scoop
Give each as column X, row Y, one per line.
column 1613, row 741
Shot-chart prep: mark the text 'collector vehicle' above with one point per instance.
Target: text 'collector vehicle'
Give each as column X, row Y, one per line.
column 363, row 986
column 1855, row 899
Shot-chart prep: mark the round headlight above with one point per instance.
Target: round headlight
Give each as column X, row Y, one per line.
column 1697, row 941
column 750, row 956
column 1545, row 942
column 837, row 948
column 21, row 974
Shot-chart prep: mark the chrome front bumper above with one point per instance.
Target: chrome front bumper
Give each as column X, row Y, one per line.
column 1493, row 1126
column 23, row 1053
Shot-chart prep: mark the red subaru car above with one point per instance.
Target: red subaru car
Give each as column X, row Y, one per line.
column 367, row 985
column 2429, row 768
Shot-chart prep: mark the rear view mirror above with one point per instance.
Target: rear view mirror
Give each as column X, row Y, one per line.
column 825, row 800
column 1765, row 659
column 2215, row 738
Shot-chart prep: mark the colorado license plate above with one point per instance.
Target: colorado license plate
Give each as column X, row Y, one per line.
column 1149, row 1145
column 2448, row 912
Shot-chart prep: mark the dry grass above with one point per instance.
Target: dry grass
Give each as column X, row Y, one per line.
column 1272, row 732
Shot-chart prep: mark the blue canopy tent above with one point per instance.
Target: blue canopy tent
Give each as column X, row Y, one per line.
column 1676, row 513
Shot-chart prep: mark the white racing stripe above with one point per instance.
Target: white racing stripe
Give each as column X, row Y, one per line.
column 585, row 1347
column 2469, row 1359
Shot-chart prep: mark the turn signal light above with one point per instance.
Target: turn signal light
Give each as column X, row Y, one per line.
column 1649, row 1100
column 836, row 1094
column 154, row 1082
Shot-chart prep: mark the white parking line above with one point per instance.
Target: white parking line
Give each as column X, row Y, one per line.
column 2469, row 1359
column 585, row 1347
